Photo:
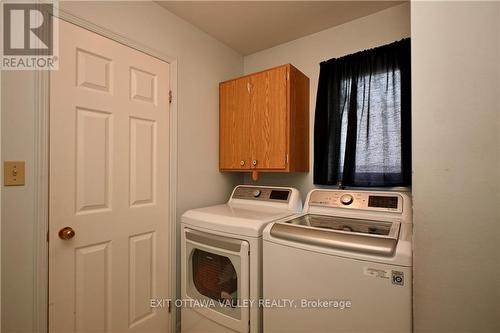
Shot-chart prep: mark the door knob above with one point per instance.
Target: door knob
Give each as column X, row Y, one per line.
column 242, row 162
column 66, row 233
column 254, row 162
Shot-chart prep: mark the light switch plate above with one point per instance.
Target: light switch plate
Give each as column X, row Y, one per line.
column 13, row 172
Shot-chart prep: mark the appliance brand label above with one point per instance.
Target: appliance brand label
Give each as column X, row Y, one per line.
column 377, row 272
column 398, row 278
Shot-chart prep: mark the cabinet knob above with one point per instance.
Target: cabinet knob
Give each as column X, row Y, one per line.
column 254, row 162
column 242, row 162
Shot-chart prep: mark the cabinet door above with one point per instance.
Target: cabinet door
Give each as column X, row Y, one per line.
column 234, row 125
column 269, row 118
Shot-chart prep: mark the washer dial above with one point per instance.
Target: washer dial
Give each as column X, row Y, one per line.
column 346, row 199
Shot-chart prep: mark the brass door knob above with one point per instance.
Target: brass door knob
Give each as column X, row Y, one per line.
column 66, row 233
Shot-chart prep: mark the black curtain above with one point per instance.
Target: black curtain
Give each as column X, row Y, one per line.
column 362, row 131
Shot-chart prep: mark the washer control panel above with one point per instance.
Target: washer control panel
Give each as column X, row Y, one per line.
column 356, row 200
column 346, row 199
column 262, row 193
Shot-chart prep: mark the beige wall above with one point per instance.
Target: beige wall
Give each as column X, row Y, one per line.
column 17, row 232
column 306, row 53
column 202, row 63
column 456, row 151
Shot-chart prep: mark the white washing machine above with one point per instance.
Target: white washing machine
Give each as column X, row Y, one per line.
column 344, row 265
column 221, row 258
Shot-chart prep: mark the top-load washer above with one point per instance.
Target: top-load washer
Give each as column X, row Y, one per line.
column 221, row 258
column 344, row 265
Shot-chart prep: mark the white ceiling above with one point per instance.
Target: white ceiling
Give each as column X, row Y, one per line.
column 251, row 26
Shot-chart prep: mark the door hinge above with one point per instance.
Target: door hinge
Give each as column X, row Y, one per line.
column 170, row 96
column 169, row 306
column 286, row 158
column 47, row 236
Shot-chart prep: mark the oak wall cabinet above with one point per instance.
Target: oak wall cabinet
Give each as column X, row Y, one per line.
column 264, row 122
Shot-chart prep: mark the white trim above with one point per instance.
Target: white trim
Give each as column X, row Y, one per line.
column 41, row 170
column 173, row 193
column 41, row 201
column 1, row 189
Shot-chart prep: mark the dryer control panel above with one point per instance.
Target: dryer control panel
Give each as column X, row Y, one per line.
column 262, row 193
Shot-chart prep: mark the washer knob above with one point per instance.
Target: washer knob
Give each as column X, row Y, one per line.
column 346, row 199
column 256, row 193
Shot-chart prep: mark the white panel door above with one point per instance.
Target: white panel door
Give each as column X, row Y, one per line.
column 109, row 167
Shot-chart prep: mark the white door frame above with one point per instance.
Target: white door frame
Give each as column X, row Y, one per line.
column 1, row 173
column 41, row 171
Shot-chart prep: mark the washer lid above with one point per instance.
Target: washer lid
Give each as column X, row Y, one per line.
column 364, row 236
column 238, row 219
column 346, row 224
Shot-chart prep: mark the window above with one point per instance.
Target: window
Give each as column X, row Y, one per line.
column 362, row 124
column 215, row 277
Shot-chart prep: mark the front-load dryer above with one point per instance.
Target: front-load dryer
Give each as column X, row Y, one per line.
column 221, row 258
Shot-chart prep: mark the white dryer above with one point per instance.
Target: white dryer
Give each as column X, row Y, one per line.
column 221, row 258
column 344, row 265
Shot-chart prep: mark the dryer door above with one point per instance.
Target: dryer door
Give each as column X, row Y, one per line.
column 215, row 273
